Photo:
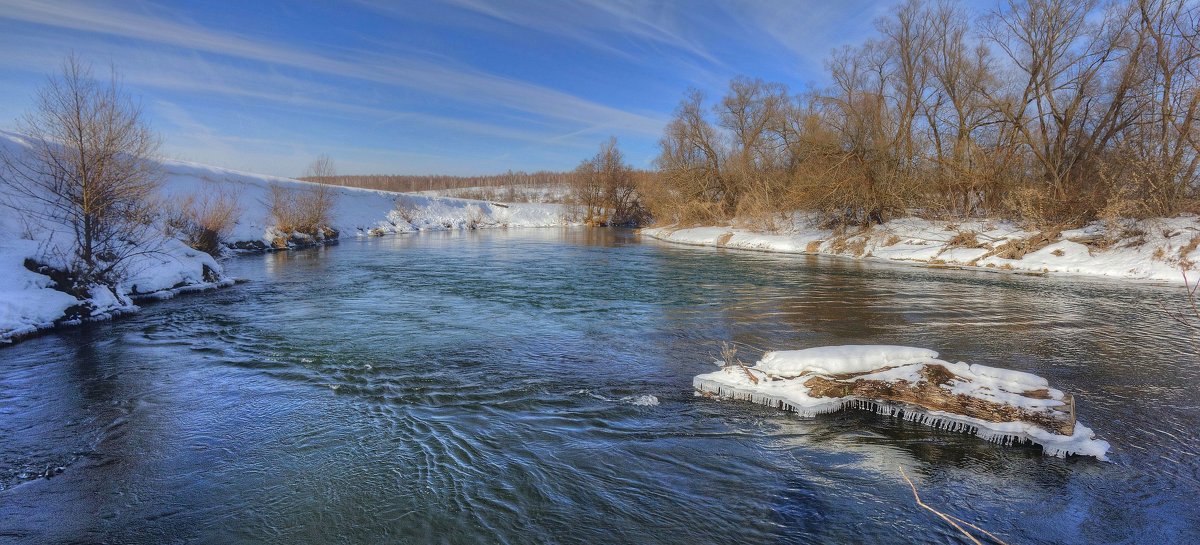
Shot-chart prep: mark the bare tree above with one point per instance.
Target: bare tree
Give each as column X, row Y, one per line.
column 607, row 189
column 587, row 190
column 90, row 171
column 691, row 161
column 321, row 170
column 957, row 113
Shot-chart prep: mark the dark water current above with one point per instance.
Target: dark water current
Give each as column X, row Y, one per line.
column 492, row 387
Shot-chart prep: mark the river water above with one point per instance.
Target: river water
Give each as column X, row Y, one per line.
column 534, row 386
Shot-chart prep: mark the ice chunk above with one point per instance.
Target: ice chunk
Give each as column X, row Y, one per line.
column 644, row 400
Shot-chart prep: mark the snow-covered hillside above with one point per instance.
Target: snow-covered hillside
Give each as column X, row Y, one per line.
column 31, row 301
column 1153, row 249
column 357, row 211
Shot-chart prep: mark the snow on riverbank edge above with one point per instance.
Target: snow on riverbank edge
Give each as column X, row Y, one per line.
column 31, row 302
column 1153, row 249
column 356, row 212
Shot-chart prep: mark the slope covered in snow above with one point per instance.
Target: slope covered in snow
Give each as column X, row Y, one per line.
column 356, row 211
column 1153, row 249
column 32, row 300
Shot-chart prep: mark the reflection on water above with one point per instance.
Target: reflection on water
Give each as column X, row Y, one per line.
column 476, row 387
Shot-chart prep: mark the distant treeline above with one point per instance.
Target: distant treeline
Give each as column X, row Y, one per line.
column 392, row 182
column 1047, row 111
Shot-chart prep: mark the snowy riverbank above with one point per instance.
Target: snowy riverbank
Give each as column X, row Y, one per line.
column 31, row 299
column 357, row 212
column 1155, row 249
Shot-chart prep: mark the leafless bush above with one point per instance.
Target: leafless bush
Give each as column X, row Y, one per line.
column 90, row 171
column 206, row 220
column 306, row 211
column 605, row 189
column 406, row 209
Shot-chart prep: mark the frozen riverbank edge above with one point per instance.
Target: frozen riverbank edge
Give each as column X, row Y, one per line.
column 32, row 303
column 1157, row 250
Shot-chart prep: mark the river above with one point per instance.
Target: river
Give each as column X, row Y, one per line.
column 534, row 386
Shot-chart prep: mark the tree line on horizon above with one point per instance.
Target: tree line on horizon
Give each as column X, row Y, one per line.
column 436, row 182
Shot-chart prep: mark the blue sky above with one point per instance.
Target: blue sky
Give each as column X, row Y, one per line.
column 431, row 86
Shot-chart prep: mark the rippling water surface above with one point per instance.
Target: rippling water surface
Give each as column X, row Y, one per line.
column 494, row 387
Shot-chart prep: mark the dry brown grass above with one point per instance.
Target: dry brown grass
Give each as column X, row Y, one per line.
column 1187, row 249
column 307, row 211
column 964, row 239
column 204, row 222
column 1019, row 248
column 857, row 247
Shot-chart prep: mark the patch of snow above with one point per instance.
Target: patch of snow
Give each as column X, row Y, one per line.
column 1151, row 249
column 357, row 211
column 833, row 360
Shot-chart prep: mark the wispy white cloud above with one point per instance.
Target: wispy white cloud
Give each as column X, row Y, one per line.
column 458, row 83
column 596, row 22
column 224, row 92
column 195, row 141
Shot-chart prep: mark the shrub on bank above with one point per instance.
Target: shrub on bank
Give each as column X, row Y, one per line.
column 204, row 222
column 306, row 212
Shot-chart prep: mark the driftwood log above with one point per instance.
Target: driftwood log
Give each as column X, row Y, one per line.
column 931, row 393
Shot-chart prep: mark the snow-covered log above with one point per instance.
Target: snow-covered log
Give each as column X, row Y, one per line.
column 999, row 405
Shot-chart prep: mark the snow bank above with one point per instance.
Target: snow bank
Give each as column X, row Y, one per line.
column 911, row 383
column 30, row 301
column 557, row 193
column 1153, row 249
column 357, row 212
column 33, row 249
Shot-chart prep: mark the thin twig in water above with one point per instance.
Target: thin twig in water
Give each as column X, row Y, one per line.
column 951, row 519
column 1183, row 317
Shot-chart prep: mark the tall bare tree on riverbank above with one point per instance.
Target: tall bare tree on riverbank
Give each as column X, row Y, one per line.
column 90, row 171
